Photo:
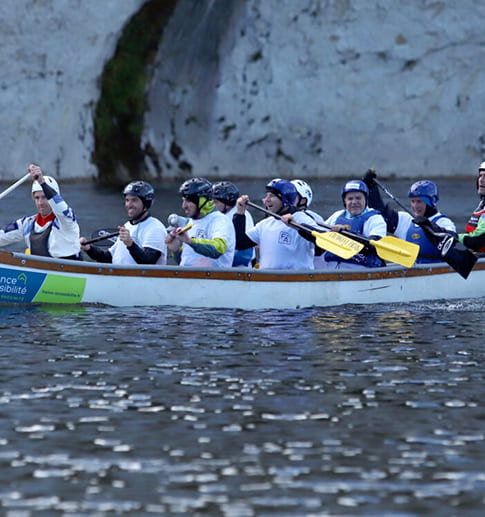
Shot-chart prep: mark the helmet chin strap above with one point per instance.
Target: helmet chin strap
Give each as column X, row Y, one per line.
column 199, row 208
column 226, row 208
column 285, row 210
column 430, row 211
column 143, row 215
column 302, row 205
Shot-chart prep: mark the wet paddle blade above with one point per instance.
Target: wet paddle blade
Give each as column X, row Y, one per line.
column 337, row 244
column 396, row 250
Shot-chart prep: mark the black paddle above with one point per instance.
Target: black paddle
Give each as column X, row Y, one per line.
column 104, row 234
column 454, row 253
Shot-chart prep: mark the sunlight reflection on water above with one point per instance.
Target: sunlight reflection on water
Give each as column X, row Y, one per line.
column 170, row 411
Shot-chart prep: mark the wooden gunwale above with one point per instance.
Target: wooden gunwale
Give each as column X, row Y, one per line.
column 240, row 274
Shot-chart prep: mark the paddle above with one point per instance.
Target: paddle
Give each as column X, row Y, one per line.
column 454, row 253
column 14, row 186
column 102, row 234
column 388, row 248
column 334, row 242
column 110, row 233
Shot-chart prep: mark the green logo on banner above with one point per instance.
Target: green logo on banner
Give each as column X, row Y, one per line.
column 61, row 289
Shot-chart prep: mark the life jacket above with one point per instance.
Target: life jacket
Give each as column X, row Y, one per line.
column 472, row 223
column 356, row 225
column 427, row 251
column 39, row 241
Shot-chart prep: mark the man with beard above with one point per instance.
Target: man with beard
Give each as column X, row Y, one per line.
column 208, row 239
column 141, row 238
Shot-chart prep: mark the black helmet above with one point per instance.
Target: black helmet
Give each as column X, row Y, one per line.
column 141, row 189
column 194, row 188
column 226, row 192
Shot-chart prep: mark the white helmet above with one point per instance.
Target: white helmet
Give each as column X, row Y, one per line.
column 304, row 190
column 36, row 186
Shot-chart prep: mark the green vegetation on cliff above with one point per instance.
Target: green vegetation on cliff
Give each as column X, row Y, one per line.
column 119, row 115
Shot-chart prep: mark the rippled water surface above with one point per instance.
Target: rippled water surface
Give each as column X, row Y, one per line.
column 374, row 410
column 165, row 411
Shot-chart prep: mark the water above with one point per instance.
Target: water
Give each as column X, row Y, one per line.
column 372, row 410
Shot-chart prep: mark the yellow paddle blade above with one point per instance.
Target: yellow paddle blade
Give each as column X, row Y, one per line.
column 396, row 250
column 337, row 244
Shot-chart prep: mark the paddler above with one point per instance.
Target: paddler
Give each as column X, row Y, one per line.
column 280, row 246
column 54, row 230
column 208, row 240
column 303, row 202
column 474, row 237
column 359, row 218
column 225, row 195
column 141, row 238
column 419, row 227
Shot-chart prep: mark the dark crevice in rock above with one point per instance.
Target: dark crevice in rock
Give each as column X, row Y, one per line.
column 119, row 115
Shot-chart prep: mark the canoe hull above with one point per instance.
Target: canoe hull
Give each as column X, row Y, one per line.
column 27, row 279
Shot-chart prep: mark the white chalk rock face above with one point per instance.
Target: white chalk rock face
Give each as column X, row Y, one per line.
column 258, row 88
column 52, row 55
column 310, row 88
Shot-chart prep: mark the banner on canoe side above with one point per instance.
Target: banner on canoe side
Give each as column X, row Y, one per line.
column 28, row 286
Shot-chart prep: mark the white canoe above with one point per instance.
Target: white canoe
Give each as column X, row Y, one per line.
column 31, row 279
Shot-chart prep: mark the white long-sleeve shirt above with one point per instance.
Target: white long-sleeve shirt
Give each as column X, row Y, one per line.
column 63, row 240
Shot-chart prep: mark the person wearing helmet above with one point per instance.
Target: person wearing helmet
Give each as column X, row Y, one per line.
column 304, row 199
column 474, row 236
column 358, row 218
column 280, row 246
column 424, row 221
column 210, row 240
column 141, row 239
column 225, row 195
column 54, row 230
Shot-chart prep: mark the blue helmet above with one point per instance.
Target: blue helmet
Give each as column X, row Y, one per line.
column 426, row 190
column 283, row 190
column 355, row 186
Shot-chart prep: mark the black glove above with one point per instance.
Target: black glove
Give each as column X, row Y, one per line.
column 420, row 220
column 369, row 176
column 474, row 243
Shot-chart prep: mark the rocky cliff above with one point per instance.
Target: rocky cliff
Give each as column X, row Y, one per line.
column 311, row 88
column 52, row 55
column 253, row 87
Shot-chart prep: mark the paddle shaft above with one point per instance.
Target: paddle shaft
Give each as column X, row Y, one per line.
column 388, row 248
column 334, row 242
column 391, row 195
column 308, row 230
column 451, row 250
column 14, row 186
column 277, row 216
column 101, row 238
